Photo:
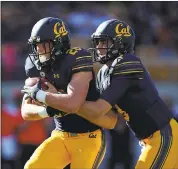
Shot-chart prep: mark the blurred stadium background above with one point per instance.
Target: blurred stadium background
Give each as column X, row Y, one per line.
column 155, row 25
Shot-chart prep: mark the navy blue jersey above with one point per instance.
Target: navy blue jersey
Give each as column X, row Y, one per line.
column 73, row 61
column 128, row 87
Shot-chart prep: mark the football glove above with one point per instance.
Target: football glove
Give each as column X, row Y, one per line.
column 32, row 91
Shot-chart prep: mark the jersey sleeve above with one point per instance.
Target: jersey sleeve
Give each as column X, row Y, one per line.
column 125, row 75
column 83, row 62
column 129, row 69
column 116, row 90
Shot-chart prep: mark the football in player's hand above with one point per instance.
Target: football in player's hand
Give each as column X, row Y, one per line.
column 34, row 80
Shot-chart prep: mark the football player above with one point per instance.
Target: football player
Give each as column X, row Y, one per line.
column 126, row 85
column 75, row 140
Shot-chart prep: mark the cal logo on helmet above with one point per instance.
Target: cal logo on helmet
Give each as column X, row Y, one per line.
column 122, row 31
column 60, row 30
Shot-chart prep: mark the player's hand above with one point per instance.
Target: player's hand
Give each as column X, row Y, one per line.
column 31, row 91
column 51, row 88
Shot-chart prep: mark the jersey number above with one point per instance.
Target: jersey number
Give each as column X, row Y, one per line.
column 73, row 51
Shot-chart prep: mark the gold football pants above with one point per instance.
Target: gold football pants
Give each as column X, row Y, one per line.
column 84, row 150
column 161, row 150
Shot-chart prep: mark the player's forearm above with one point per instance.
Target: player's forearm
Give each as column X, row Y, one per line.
column 107, row 120
column 110, row 119
column 62, row 102
column 91, row 110
column 32, row 112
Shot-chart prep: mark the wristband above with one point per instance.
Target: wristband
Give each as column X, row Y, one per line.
column 41, row 96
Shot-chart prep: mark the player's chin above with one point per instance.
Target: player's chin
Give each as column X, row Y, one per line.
column 101, row 55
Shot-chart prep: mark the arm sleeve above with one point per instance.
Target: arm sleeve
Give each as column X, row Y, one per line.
column 83, row 62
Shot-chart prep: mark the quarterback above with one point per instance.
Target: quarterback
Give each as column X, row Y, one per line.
column 75, row 140
column 125, row 84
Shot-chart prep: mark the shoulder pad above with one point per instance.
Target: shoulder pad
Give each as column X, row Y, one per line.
column 130, row 67
column 30, row 68
column 83, row 60
column 78, row 52
column 28, row 63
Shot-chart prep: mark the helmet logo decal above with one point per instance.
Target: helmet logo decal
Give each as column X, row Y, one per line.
column 122, row 31
column 60, row 30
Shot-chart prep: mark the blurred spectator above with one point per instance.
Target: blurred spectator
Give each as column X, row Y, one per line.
column 9, row 60
column 9, row 145
column 85, row 21
column 20, row 138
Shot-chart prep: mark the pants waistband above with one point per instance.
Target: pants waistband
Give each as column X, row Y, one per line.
column 70, row 134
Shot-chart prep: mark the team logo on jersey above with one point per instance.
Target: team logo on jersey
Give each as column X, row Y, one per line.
column 60, row 29
column 120, row 30
column 56, row 75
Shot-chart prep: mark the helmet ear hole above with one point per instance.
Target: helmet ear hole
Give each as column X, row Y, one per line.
column 118, row 44
column 59, row 39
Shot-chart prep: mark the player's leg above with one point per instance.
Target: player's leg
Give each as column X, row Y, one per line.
column 87, row 150
column 171, row 161
column 161, row 150
column 50, row 154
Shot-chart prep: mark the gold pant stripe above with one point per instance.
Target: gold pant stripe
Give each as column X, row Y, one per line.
column 157, row 155
column 101, row 152
column 166, row 142
column 167, row 136
column 169, row 148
